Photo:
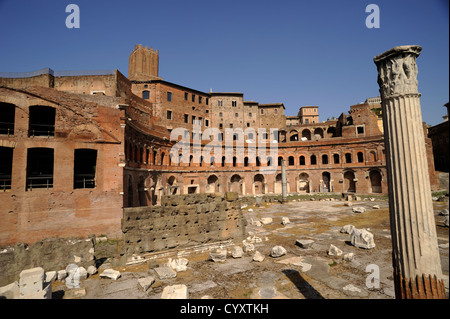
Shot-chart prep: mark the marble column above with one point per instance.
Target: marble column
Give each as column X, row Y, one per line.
column 416, row 261
column 283, row 181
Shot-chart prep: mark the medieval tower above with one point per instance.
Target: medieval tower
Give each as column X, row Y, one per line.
column 143, row 64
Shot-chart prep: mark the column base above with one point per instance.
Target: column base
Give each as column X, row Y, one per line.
column 421, row 287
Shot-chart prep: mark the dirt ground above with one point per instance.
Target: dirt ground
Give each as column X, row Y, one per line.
column 300, row 274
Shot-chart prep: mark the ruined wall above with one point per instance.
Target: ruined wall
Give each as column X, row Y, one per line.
column 182, row 221
column 45, row 80
column 51, row 254
column 28, row 215
column 87, row 84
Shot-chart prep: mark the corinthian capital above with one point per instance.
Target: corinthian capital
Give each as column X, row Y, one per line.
column 397, row 70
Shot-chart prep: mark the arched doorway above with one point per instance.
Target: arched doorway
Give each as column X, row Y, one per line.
column 278, row 189
column 258, row 184
column 141, row 192
column 331, row 131
column 326, row 177
column 303, row 183
column 319, row 132
column 375, row 181
column 293, row 136
column 213, row 184
column 130, row 192
column 236, row 183
column 173, row 188
column 306, row 134
column 155, row 190
column 349, row 182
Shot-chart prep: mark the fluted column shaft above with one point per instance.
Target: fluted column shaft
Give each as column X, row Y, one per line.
column 416, row 260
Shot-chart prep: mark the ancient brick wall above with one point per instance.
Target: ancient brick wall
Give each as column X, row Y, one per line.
column 61, row 210
column 51, row 254
column 182, row 221
column 44, row 80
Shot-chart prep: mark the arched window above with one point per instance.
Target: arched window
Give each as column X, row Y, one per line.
column 42, row 121
column 85, row 163
column 302, row 160
column 360, row 157
column 313, row 160
column 280, row 159
column 6, row 161
column 348, row 157
column 7, row 114
column 291, row 160
column 145, row 95
column 245, row 161
column 318, row 131
column 324, row 159
column 306, row 134
column 40, row 167
column 336, row 158
column 294, row 135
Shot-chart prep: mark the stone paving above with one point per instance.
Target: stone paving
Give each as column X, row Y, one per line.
column 302, row 273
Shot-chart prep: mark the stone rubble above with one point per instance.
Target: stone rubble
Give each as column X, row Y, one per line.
column 358, row 210
column 111, row 274
column 92, row 270
column 362, row 238
column 278, row 251
column 175, row 292
column 237, row 252
column 304, row 243
column 50, row 276
column 62, row 274
column 32, row 284
column 218, row 255
column 146, row 282
column 351, row 288
column 266, row 220
column 83, row 273
column 347, row 229
column 334, row 251
column 248, row 247
column 73, row 276
column 348, row 256
column 258, row 257
column 11, row 291
column 178, row 265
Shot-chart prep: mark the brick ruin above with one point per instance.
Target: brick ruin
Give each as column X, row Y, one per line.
column 89, row 153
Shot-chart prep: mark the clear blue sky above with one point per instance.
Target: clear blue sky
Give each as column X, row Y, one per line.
column 294, row 52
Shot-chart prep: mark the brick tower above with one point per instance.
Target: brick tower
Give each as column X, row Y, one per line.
column 143, row 64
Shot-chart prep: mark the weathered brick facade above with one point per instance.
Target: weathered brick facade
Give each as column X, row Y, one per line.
column 127, row 124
